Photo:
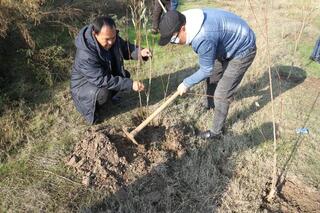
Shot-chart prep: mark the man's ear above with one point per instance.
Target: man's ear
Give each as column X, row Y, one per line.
column 183, row 28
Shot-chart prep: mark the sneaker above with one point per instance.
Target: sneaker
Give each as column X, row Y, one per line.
column 209, row 135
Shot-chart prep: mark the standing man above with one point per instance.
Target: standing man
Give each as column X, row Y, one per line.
column 174, row 4
column 158, row 11
column 315, row 56
column 98, row 72
column 226, row 47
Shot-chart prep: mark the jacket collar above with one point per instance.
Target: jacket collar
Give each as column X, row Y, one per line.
column 94, row 45
column 194, row 21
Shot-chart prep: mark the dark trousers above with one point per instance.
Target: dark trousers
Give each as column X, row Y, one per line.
column 315, row 56
column 157, row 12
column 174, row 4
column 104, row 95
column 223, row 84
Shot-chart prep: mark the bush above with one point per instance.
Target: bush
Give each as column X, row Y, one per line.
column 50, row 64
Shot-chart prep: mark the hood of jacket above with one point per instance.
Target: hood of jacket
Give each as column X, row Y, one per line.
column 194, row 22
column 85, row 41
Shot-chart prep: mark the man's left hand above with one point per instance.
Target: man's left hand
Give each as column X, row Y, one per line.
column 182, row 89
column 146, row 53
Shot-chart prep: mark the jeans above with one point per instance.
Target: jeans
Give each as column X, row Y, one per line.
column 223, row 84
column 315, row 56
column 174, row 4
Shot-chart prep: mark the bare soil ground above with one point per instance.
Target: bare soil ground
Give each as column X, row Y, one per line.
column 295, row 196
column 105, row 158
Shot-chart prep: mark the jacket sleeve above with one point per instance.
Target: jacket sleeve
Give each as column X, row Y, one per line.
column 207, row 54
column 130, row 51
column 95, row 74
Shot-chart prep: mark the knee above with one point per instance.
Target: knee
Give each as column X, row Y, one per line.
column 103, row 96
column 220, row 96
column 223, row 96
column 221, row 105
column 223, row 99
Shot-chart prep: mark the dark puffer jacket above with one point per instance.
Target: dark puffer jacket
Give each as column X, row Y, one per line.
column 92, row 70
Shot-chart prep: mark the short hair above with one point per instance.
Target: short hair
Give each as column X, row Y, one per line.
column 183, row 20
column 101, row 21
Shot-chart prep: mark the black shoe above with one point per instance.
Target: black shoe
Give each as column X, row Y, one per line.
column 206, row 106
column 209, row 135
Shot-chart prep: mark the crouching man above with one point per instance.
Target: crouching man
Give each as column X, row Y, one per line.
column 98, row 72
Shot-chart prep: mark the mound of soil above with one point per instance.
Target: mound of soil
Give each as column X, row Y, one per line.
column 295, row 196
column 105, row 158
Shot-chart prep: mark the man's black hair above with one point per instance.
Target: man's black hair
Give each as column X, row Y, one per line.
column 99, row 22
column 183, row 21
column 170, row 23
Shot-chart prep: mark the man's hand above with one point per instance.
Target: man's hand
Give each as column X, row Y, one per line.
column 137, row 86
column 146, row 53
column 182, row 89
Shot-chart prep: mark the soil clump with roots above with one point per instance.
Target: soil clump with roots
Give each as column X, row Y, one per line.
column 107, row 159
column 293, row 196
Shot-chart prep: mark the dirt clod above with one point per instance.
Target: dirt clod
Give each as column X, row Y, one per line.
column 105, row 158
column 295, row 196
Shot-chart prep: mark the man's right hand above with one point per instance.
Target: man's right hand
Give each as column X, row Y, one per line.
column 182, row 89
column 137, row 86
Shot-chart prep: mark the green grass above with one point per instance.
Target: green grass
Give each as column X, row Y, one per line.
column 197, row 4
column 313, row 68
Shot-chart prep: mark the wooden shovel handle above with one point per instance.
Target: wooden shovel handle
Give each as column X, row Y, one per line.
column 161, row 4
column 154, row 114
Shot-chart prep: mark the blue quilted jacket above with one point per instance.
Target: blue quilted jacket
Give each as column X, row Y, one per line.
column 223, row 35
